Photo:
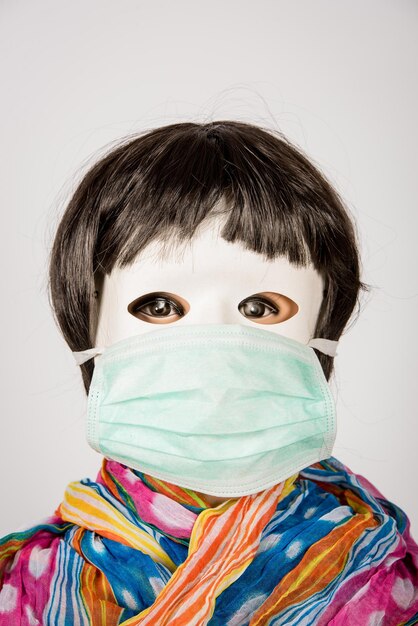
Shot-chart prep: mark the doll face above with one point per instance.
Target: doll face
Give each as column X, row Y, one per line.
column 207, row 280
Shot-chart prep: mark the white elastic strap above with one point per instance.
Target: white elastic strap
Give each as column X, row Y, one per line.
column 84, row 355
column 327, row 346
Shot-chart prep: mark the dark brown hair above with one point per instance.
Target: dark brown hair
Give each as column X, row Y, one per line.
column 161, row 184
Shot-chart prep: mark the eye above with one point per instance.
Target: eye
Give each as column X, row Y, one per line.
column 156, row 307
column 257, row 307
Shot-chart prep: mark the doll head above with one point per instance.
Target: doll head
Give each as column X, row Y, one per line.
column 223, row 186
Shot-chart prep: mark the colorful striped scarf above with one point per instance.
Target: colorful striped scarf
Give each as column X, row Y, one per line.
column 323, row 547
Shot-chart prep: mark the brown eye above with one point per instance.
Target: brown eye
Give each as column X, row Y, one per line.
column 257, row 307
column 156, row 307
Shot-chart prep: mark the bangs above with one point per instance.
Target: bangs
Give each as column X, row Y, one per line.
column 164, row 185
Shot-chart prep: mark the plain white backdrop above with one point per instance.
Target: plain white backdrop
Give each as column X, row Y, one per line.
column 338, row 78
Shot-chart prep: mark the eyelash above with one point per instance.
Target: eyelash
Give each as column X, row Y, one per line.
column 180, row 311
column 178, row 308
column 264, row 301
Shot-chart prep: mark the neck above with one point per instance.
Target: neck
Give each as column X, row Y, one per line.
column 213, row 501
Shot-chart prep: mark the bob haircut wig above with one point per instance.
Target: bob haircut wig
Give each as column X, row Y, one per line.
column 162, row 184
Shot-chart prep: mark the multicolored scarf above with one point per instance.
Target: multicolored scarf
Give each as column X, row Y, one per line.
column 323, row 547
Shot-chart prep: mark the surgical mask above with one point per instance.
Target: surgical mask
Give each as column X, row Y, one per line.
column 224, row 409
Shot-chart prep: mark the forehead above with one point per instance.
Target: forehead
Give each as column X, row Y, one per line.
column 209, row 262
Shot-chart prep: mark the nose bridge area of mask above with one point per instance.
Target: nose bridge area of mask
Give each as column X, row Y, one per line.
column 216, row 338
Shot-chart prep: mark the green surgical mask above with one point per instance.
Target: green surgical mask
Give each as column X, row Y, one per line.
column 224, row 409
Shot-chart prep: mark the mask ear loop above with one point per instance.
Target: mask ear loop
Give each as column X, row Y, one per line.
column 327, row 346
column 82, row 356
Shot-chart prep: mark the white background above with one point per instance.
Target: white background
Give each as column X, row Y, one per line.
column 338, row 78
